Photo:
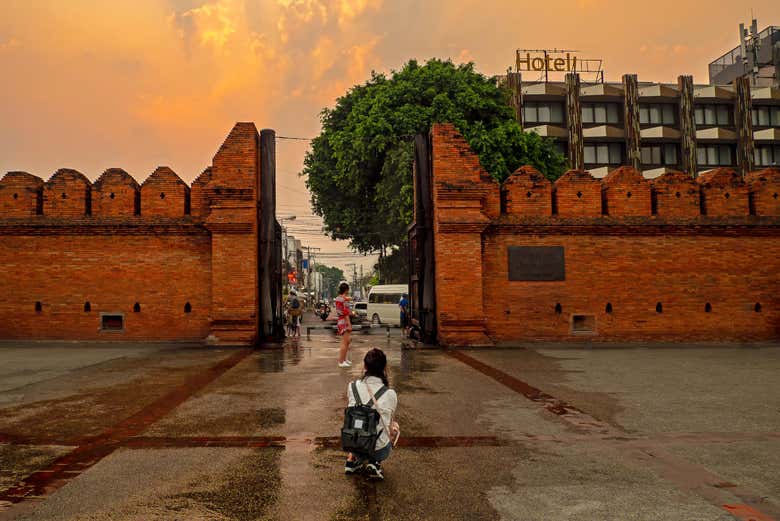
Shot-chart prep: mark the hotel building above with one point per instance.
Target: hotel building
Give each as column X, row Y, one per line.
column 657, row 127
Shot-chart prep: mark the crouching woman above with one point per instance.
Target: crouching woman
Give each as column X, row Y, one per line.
column 374, row 390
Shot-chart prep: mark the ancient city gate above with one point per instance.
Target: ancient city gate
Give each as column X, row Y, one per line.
column 584, row 259
column 115, row 260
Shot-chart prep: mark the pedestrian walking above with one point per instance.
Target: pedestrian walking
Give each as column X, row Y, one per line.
column 295, row 312
column 372, row 391
column 344, row 324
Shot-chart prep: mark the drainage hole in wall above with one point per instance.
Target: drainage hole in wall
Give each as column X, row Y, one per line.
column 112, row 322
column 608, row 309
column 757, row 308
column 111, row 195
column 727, row 195
column 162, row 195
column 16, row 196
column 579, row 194
column 707, row 307
column 38, row 307
column 187, row 307
column 659, row 308
column 87, row 307
column 583, row 323
column 136, row 308
column 528, row 194
column 628, row 195
column 558, row 308
column 677, row 194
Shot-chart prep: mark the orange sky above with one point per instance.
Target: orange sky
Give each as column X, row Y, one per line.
column 136, row 84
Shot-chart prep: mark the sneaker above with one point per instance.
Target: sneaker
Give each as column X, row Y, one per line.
column 374, row 471
column 348, row 361
column 350, row 467
column 344, row 364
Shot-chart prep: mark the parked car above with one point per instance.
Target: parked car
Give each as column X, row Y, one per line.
column 361, row 312
column 383, row 303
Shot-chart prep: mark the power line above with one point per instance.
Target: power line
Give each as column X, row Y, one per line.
column 295, row 138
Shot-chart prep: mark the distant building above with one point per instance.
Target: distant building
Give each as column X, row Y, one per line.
column 757, row 57
column 603, row 125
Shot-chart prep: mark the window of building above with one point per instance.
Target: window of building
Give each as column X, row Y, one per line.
column 767, row 155
column 766, row 116
column 604, row 154
column 600, row 113
column 657, row 114
column 543, row 112
column 714, row 116
column 660, row 154
column 714, row 155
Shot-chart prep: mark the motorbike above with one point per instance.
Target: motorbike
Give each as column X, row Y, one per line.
column 322, row 311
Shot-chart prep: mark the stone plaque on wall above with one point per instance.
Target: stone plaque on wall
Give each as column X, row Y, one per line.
column 536, row 263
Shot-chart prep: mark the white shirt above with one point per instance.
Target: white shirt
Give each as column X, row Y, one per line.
column 386, row 405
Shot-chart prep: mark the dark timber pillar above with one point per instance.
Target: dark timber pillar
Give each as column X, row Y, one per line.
column 515, row 81
column 687, row 125
column 574, row 118
column 743, row 119
column 269, row 294
column 631, row 111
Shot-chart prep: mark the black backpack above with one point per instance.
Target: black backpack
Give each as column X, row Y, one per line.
column 361, row 425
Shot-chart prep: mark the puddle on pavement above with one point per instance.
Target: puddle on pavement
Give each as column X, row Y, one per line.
column 246, row 492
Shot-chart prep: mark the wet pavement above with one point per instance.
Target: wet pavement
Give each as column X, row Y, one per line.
column 174, row 431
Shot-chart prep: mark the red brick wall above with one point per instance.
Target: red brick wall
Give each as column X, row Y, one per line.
column 20, row 194
column 724, row 193
column 578, row 194
column 676, row 195
column 527, row 192
column 763, row 186
column 112, row 272
column 633, row 274
column 626, row 193
column 628, row 257
column 115, row 194
column 91, row 247
column 66, row 194
column 164, row 194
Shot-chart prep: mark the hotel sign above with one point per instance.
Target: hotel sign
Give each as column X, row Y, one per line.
column 546, row 62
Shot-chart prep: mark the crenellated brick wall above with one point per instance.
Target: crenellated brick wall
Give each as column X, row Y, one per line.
column 672, row 259
column 177, row 263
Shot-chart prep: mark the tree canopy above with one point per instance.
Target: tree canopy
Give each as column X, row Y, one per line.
column 331, row 277
column 359, row 169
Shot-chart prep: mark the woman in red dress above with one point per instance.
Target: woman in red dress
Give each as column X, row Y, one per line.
column 344, row 325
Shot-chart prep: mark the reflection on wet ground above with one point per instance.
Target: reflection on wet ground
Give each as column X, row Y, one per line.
column 186, row 432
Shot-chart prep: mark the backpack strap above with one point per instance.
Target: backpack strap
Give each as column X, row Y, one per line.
column 382, row 390
column 356, row 394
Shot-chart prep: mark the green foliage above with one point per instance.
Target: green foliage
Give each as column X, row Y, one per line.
column 359, row 169
column 393, row 268
column 331, row 277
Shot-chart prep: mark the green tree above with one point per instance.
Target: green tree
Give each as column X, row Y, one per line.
column 359, row 169
column 331, row 277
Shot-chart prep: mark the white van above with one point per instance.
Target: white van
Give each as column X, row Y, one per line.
column 383, row 303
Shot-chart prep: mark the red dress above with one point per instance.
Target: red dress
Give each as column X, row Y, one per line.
column 342, row 314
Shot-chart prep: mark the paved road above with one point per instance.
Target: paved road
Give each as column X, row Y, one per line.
column 147, row 432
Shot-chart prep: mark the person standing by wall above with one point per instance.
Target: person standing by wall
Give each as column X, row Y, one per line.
column 403, row 306
column 343, row 324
